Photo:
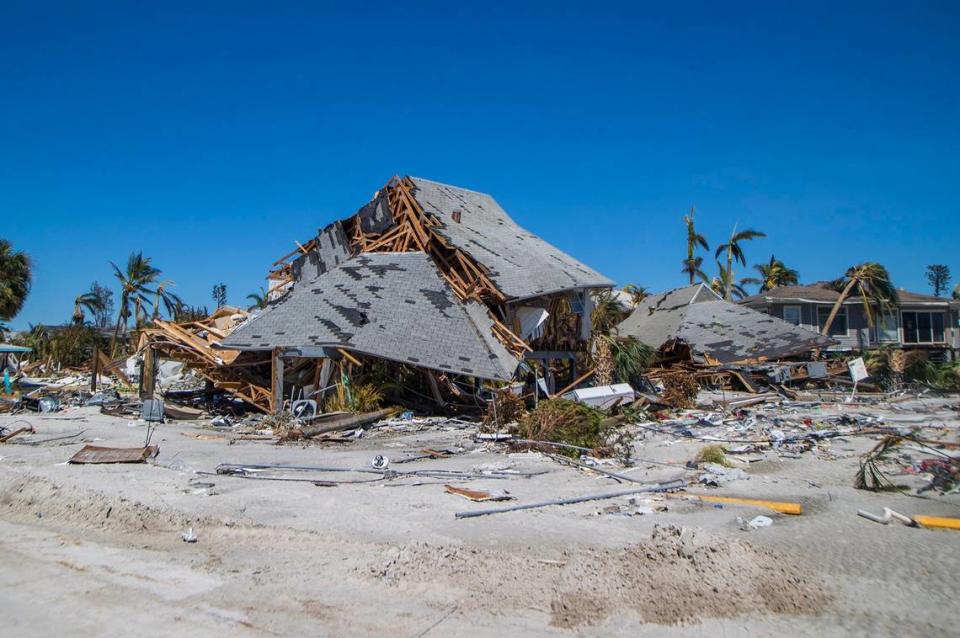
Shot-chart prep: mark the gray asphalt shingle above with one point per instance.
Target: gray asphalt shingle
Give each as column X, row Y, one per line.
column 522, row 265
column 709, row 325
column 389, row 305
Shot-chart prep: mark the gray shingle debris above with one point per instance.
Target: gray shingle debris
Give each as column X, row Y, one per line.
column 522, row 265
column 709, row 325
column 332, row 249
column 389, row 305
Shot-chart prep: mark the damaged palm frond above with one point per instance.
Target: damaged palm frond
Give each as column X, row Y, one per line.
column 870, row 476
column 575, row 424
column 631, row 359
column 505, row 408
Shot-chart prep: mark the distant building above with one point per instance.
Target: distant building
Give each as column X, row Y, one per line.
column 918, row 321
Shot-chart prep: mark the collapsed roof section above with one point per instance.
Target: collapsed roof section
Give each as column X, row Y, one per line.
column 393, row 306
column 520, row 264
column 716, row 330
column 481, row 254
column 454, row 225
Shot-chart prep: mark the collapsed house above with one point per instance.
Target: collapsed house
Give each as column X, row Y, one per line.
column 425, row 275
column 696, row 323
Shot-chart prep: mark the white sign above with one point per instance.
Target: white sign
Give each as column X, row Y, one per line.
column 858, row 369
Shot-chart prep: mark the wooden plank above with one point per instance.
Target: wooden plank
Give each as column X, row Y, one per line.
column 276, row 376
column 349, row 357
column 794, row 509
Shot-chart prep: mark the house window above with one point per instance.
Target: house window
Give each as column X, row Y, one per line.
column 887, row 328
column 791, row 314
column 922, row 327
column 839, row 325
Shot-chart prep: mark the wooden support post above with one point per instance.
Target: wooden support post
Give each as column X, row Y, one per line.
column 95, row 370
column 325, row 370
column 148, row 373
column 277, row 380
column 434, row 388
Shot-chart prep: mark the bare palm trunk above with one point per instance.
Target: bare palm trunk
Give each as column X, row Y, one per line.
column 836, row 307
column 729, row 283
column 116, row 330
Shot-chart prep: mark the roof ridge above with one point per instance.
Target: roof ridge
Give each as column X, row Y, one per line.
column 433, row 181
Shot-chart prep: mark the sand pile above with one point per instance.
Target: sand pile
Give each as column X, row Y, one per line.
column 679, row 575
column 31, row 498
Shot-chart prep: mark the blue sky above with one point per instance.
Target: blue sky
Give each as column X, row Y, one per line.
column 213, row 135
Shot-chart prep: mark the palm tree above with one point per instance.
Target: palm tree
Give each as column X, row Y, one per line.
column 259, row 299
column 772, row 275
column 134, row 282
column 15, row 278
column 723, row 286
column 734, row 252
column 871, row 282
column 692, row 265
column 637, row 293
column 89, row 300
column 171, row 302
column 607, row 313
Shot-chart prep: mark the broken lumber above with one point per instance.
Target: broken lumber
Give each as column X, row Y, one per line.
column 28, row 428
column 348, row 422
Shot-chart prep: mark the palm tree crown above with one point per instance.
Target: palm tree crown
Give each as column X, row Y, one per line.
column 170, row 302
column 134, row 282
column 734, row 253
column 871, row 282
column 722, row 283
column 774, row 274
column 637, row 293
column 89, row 300
column 15, row 278
column 258, row 300
column 692, row 265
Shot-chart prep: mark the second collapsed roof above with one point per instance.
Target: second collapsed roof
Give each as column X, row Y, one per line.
column 711, row 326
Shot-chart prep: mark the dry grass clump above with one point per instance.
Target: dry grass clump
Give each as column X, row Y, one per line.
column 359, row 398
column 713, row 454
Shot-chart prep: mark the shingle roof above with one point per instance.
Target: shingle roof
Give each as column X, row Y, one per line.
column 813, row 292
column 907, row 297
column 522, row 265
column 388, row 305
column 821, row 293
column 709, row 325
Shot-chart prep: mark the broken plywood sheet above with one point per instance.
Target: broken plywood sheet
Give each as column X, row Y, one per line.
column 92, row 454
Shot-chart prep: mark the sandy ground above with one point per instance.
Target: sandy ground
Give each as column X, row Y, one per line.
column 95, row 550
